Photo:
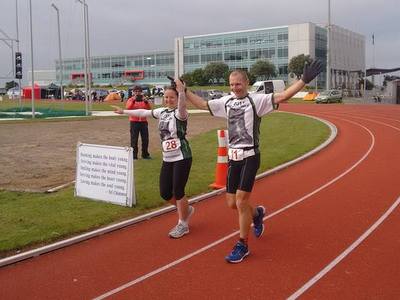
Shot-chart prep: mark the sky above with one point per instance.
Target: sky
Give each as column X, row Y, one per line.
column 132, row 26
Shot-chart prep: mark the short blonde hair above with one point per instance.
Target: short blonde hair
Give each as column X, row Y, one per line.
column 240, row 72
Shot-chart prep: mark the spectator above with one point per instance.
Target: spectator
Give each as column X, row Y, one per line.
column 139, row 125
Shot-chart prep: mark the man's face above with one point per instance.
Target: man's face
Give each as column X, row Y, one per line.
column 238, row 85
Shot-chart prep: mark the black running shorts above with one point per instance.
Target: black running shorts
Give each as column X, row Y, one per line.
column 173, row 178
column 242, row 174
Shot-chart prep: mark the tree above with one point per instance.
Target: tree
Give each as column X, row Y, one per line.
column 187, row 78
column 215, row 71
column 388, row 78
column 198, row 77
column 263, row 69
column 11, row 84
column 296, row 64
column 369, row 86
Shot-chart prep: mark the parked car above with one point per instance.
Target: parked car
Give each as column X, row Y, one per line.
column 215, row 94
column 330, row 96
column 267, row 87
column 13, row 93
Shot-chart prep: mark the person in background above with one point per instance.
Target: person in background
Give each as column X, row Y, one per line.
column 138, row 124
column 177, row 155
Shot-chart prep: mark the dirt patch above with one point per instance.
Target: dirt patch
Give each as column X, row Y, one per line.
column 35, row 156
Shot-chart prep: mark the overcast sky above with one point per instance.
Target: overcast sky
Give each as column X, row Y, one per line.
column 131, row 26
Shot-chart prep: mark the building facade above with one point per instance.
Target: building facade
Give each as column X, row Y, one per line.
column 238, row 49
column 143, row 68
column 42, row 77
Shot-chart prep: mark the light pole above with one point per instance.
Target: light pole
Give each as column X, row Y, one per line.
column 328, row 50
column 87, row 55
column 17, row 29
column 32, row 68
column 59, row 51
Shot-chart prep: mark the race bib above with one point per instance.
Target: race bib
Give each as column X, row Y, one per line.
column 171, row 145
column 235, row 154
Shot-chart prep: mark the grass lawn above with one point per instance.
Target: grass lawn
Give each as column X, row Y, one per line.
column 33, row 219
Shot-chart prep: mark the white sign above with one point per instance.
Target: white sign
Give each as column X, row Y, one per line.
column 105, row 173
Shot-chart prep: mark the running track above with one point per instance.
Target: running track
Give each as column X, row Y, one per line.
column 332, row 232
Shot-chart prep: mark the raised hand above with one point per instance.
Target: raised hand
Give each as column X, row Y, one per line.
column 311, row 71
column 117, row 109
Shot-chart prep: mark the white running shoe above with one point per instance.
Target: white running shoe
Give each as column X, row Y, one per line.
column 178, row 231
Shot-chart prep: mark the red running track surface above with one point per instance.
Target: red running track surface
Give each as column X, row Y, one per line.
column 318, row 242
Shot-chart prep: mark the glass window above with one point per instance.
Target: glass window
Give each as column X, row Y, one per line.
column 191, row 59
column 211, row 57
column 282, row 37
column 283, row 52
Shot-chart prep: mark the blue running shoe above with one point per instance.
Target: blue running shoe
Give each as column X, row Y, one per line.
column 239, row 252
column 258, row 222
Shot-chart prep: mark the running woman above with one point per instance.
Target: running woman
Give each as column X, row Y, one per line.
column 243, row 113
column 177, row 155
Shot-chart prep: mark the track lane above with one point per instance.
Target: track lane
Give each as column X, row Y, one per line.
column 90, row 268
column 166, row 282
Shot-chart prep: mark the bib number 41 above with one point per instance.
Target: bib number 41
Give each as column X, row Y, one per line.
column 235, row 154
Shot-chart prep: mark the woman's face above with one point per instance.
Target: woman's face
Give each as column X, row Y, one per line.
column 170, row 98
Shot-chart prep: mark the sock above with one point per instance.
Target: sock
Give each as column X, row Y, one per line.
column 243, row 241
column 184, row 223
column 256, row 213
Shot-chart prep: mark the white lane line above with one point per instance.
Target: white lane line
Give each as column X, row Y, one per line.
column 339, row 258
column 190, row 255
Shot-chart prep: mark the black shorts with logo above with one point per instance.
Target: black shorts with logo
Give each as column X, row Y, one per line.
column 242, row 174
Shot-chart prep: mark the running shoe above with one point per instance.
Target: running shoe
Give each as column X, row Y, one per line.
column 258, row 222
column 178, row 231
column 239, row 252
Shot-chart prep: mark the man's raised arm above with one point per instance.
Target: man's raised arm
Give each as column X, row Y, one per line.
column 196, row 100
column 309, row 73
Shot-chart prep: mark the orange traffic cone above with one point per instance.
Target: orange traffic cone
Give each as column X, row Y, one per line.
column 221, row 169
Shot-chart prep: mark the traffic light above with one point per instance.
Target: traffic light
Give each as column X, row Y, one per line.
column 18, row 65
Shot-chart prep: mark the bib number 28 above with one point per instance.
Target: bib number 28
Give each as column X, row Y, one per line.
column 171, row 145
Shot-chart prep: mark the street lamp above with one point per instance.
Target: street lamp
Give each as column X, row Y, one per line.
column 59, row 51
column 87, row 55
column 328, row 50
column 33, row 73
column 17, row 29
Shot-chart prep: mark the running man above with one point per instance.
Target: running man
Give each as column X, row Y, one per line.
column 243, row 113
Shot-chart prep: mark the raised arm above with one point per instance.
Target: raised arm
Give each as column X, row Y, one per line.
column 309, row 73
column 134, row 112
column 196, row 100
column 182, row 110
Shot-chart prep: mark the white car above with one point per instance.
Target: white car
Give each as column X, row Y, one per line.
column 13, row 93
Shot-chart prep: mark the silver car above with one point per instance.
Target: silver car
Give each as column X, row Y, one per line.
column 330, row 96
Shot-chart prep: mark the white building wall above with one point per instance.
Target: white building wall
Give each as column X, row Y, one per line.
column 301, row 40
column 348, row 49
column 347, row 57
